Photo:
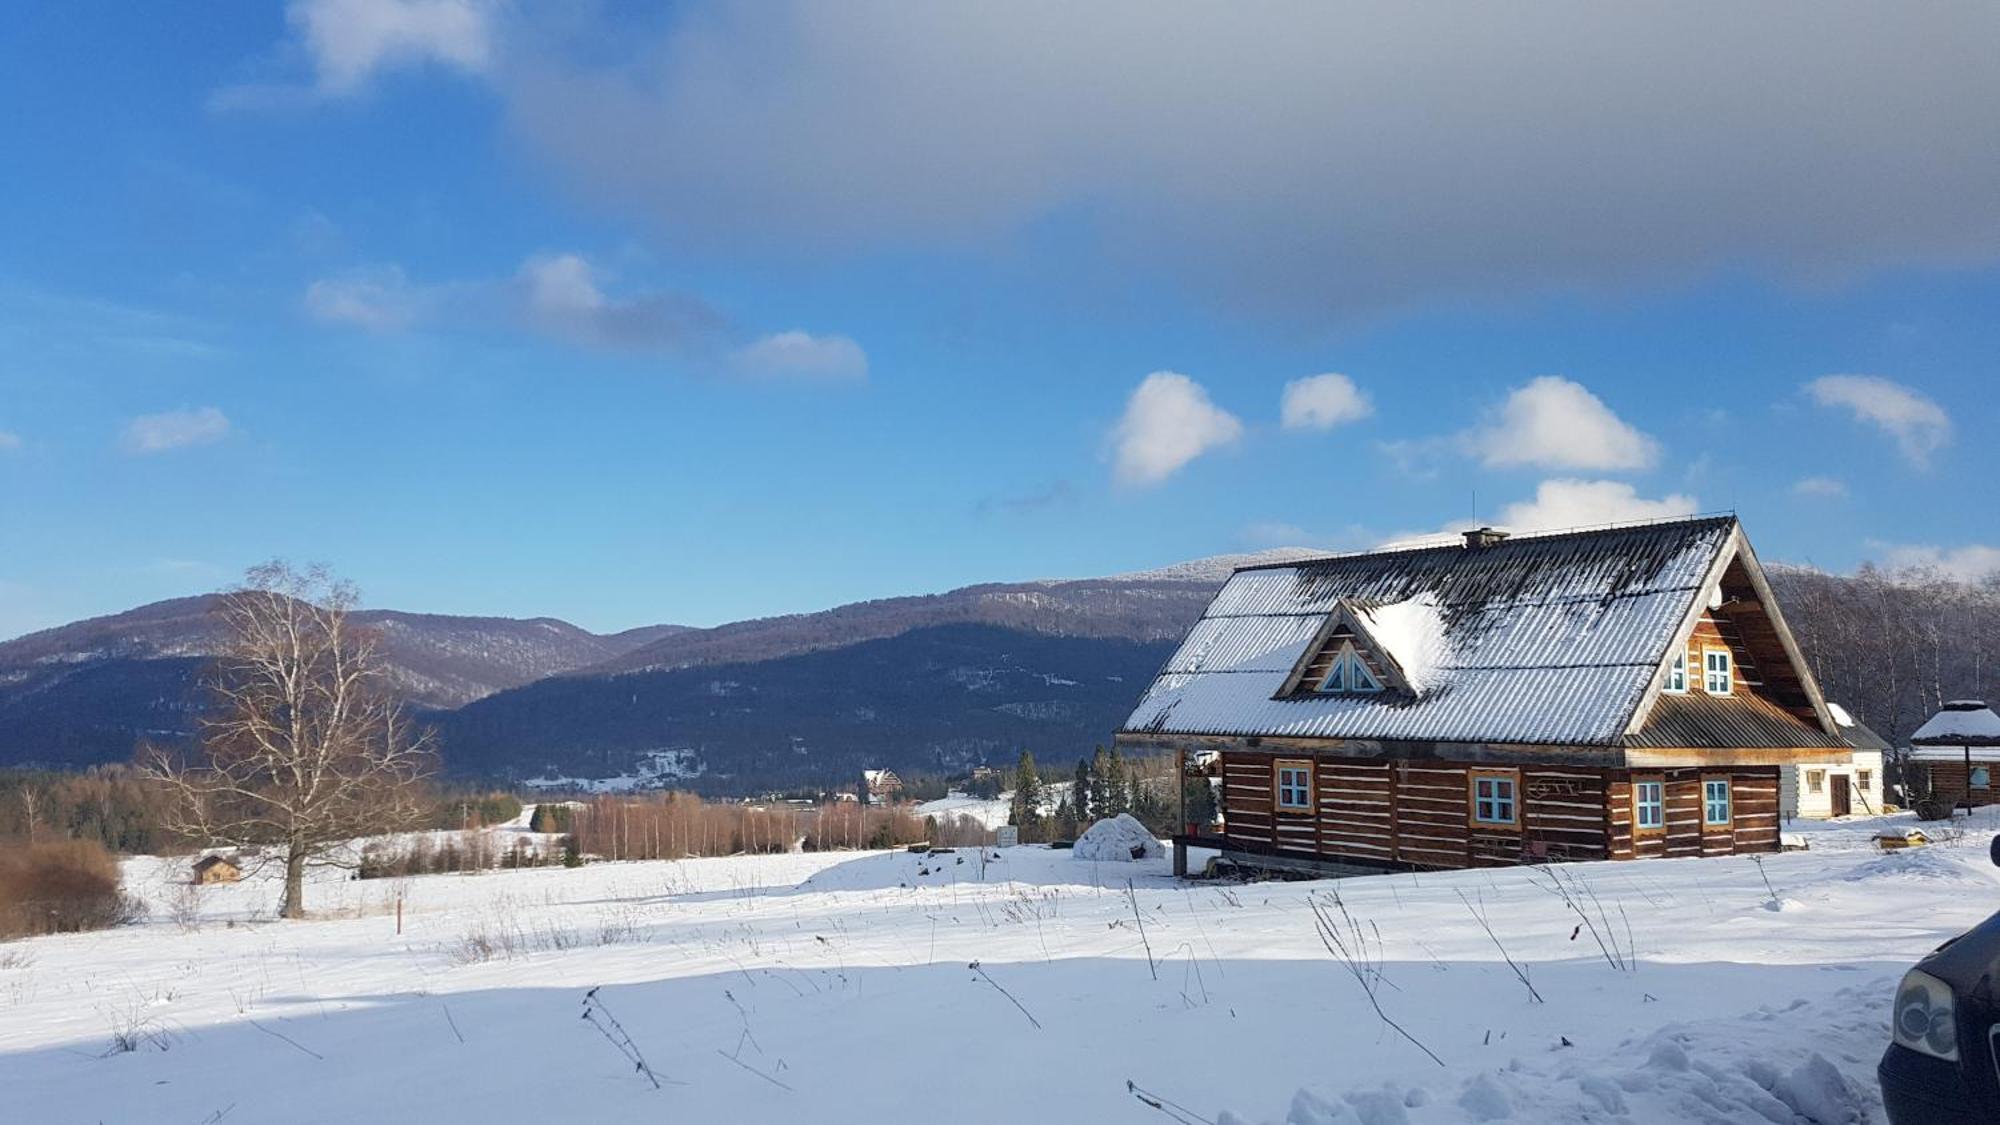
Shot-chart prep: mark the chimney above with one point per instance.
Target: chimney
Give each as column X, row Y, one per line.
column 1483, row 537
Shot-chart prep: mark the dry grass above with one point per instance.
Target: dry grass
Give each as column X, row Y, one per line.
column 62, row 886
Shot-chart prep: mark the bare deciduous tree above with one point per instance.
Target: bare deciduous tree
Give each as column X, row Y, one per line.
column 306, row 747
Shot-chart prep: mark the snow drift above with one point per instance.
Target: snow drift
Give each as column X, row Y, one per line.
column 1119, row 838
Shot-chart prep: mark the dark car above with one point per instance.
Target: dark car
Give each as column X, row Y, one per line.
column 1943, row 1065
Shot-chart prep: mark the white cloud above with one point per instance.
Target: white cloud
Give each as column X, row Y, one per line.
column 1563, row 503
column 1969, row 563
column 1450, row 152
column 1919, row 425
column 350, row 40
column 1168, row 422
column 1582, row 503
column 803, row 355
column 9, row 441
column 378, row 298
column 1321, row 402
column 174, row 429
column 1553, row 423
column 565, row 296
column 1819, row 486
column 562, row 297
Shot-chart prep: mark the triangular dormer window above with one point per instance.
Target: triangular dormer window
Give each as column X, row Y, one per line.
column 1348, row 673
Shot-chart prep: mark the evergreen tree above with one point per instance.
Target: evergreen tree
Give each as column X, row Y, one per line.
column 1063, row 826
column 1110, row 790
column 1027, row 807
column 1081, row 802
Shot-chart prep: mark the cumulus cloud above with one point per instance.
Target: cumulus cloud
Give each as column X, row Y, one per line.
column 1332, row 155
column 1920, row 426
column 350, row 40
column 1581, row 503
column 803, row 355
column 1168, row 422
column 1321, row 402
column 174, row 429
column 1553, row 423
column 378, row 298
column 1565, row 503
column 1969, row 563
column 1819, row 486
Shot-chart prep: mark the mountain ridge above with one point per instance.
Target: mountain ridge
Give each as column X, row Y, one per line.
column 90, row 690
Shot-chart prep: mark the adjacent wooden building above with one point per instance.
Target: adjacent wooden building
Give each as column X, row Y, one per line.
column 1955, row 754
column 1617, row 693
column 217, row 869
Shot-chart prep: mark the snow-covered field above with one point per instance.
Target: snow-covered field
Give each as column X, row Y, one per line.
column 836, row 988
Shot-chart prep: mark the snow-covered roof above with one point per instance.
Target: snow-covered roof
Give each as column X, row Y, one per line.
column 1963, row 722
column 1545, row 639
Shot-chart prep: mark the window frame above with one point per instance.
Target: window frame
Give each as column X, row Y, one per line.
column 1864, row 780
column 1639, row 827
column 1815, row 781
column 1346, row 662
column 1728, row 670
column 1708, row 803
column 1279, row 767
column 1677, row 674
column 1512, row 778
column 1972, row 778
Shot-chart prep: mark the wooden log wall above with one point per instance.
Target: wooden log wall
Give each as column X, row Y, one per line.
column 1419, row 813
column 1948, row 781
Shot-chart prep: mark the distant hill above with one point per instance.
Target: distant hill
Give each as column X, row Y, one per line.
column 88, row 691
column 910, row 682
column 1144, row 605
column 940, row 697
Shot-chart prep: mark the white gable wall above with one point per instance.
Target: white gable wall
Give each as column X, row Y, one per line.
column 1796, row 797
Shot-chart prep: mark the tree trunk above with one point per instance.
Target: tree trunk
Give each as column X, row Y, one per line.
column 294, row 905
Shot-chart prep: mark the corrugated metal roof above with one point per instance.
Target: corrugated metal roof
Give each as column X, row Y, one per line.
column 1548, row 639
column 1699, row 719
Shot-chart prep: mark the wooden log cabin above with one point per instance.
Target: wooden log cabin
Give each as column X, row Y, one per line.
column 1617, row 693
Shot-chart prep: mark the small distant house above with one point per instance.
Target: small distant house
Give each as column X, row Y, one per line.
column 217, row 869
column 1615, row 693
column 882, row 785
column 1957, row 751
column 1833, row 788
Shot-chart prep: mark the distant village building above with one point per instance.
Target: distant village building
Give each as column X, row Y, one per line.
column 217, row 869
column 1957, row 751
column 1833, row 788
column 883, row 785
column 1616, row 693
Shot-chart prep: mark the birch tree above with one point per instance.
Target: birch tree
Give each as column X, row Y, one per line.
column 305, row 747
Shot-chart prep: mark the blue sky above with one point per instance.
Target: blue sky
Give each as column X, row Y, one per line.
column 626, row 315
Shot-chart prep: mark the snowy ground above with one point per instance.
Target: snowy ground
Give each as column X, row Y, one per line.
column 836, row 988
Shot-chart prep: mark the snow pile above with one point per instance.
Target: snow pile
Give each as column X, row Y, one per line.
column 1839, row 714
column 1412, row 633
column 1120, row 838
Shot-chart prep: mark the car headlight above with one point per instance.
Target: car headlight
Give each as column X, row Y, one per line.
column 1926, row 1018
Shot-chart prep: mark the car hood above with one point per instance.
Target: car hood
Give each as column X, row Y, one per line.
column 1970, row 962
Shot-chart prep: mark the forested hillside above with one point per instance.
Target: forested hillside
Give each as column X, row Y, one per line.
column 1893, row 646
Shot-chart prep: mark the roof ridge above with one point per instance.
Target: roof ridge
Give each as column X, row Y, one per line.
column 1537, row 536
